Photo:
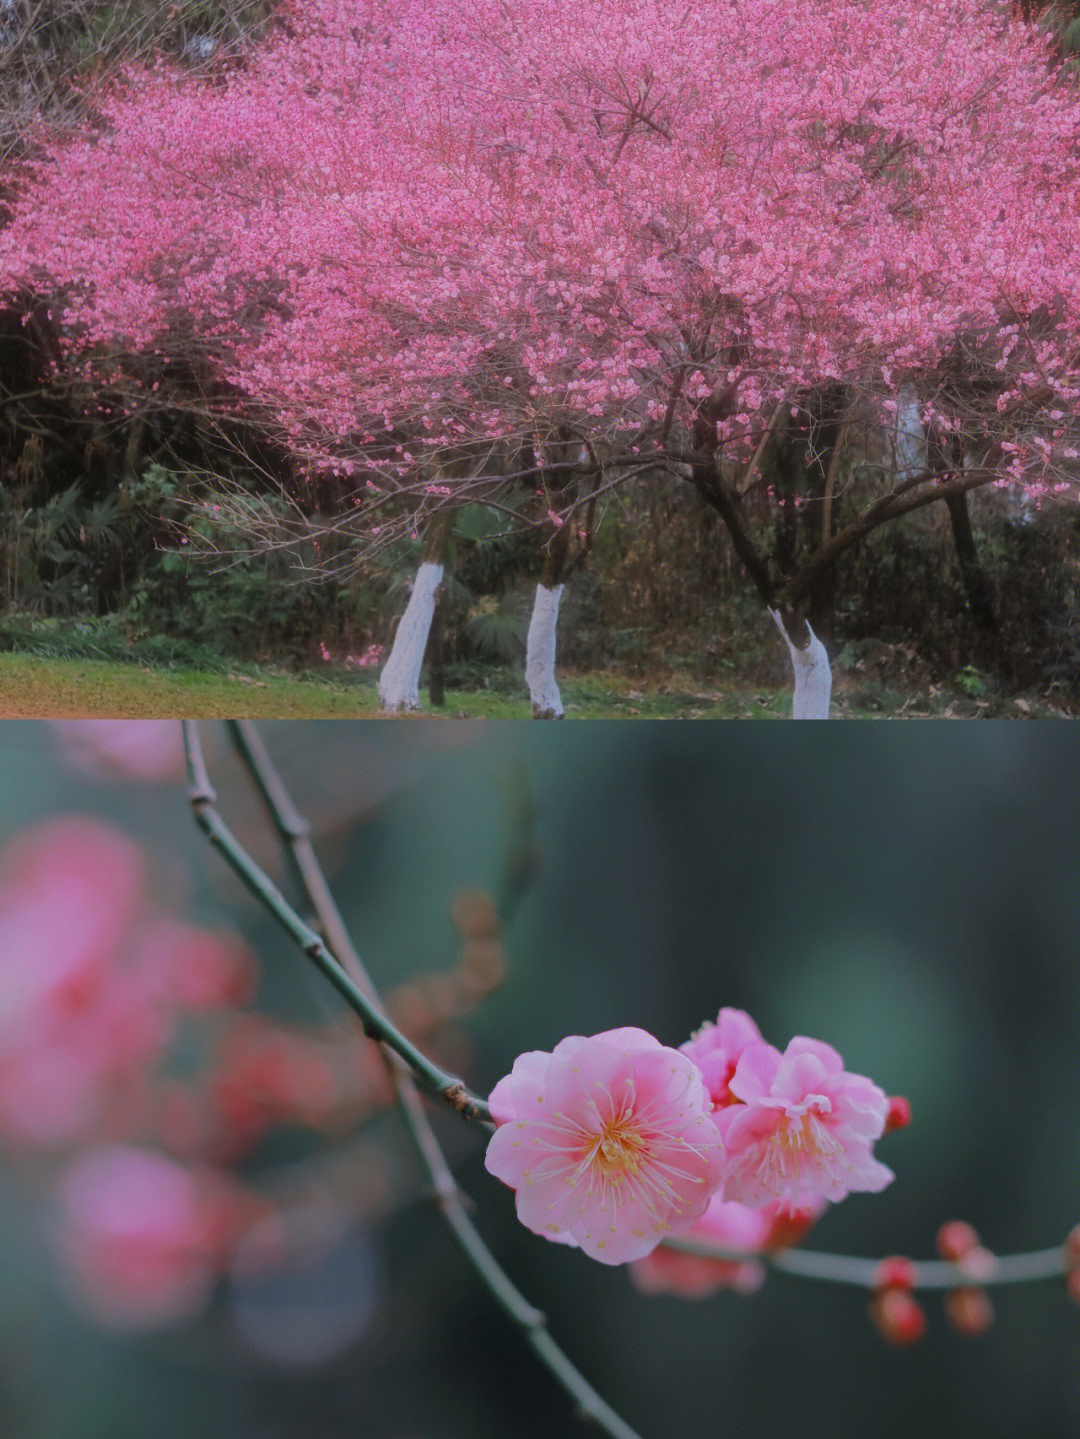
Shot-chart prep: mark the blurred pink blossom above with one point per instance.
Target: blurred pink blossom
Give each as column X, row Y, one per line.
column 194, row 969
column 606, row 1139
column 123, row 749
column 68, row 892
column 136, row 1237
column 93, row 983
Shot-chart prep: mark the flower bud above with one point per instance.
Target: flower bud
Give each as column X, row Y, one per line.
column 790, row 1224
column 899, row 1115
column 896, row 1272
column 959, row 1243
column 898, row 1316
column 955, row 1239
column 969, row 1311
column 977, row 1263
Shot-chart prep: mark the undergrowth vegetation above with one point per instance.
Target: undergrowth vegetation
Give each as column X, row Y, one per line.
column 158, row 570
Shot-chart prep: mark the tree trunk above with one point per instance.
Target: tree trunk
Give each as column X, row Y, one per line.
column 977, row 588
column 436, row 651
column 399, row 683
column 540, row 654
column 813, row 676
column 821, row 603
column 133, row 450
column 910, row 446
column 540, row 643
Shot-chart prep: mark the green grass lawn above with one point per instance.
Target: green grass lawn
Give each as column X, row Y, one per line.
column 33, row 687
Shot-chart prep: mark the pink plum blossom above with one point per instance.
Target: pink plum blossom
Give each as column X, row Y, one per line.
column 94, row 983
column 717, row 1048
column 136, row 1237
column 731, row 1226
column 69, row 891
column 606, row 1140
column 151, row 750
column 803, row 1129
column 195, row 969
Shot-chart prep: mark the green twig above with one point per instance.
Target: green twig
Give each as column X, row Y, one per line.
column 295, row 834
column 376, row 1024
column 929, row 1273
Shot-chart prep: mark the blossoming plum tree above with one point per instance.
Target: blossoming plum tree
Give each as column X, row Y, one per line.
column 411, row 228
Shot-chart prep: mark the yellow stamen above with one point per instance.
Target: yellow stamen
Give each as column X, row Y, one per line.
column 617, row 1149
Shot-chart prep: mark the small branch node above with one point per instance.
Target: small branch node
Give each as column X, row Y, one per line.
column 459, row 1098
column 446, row 1193
column 534, row 1319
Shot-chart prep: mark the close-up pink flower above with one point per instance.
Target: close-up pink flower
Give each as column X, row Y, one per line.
column 804, row 1128
column 606, row 1139
column 717, row 1048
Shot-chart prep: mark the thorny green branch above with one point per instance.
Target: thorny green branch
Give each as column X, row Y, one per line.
column 295, row 831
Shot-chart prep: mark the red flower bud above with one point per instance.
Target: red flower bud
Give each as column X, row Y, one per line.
column 896, row 1272
column 789, row 1225
column 969, row 1311
column 899, row 1115
column 898, row 1316
column 955, row 1239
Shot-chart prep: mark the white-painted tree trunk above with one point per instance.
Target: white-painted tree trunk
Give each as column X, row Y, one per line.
column 911, row 449
column 813, row 675
column 399, row 683
column 540, row 654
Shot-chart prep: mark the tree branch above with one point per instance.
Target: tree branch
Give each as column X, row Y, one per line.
column 929, row 1273
column 376, row 1024
column 712, row 487
column 905, row 499
column 295, row 834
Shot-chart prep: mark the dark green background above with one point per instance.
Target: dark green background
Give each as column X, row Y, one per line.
column 908, row 893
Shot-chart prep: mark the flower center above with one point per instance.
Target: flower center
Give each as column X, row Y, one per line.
column 802, row 1136
column 617, row 1149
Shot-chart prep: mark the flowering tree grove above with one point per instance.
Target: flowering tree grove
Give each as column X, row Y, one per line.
column 410, row 231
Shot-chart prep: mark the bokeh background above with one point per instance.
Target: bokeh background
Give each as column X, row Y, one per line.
column 211, row 1224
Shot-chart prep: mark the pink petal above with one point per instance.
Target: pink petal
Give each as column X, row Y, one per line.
column 525, row 1079
column 755, row 1072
